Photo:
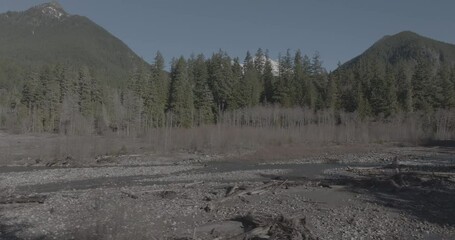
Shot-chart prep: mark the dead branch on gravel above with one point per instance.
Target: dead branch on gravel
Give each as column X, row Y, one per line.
column 254, row 191
column 262, row 226
column 167, row 194
column 130, row 195
column 235, row 192
column 193, row 184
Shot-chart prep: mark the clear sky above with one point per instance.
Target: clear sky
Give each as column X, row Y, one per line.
column 338, row 30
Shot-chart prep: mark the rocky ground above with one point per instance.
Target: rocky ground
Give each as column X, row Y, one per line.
column 383, row 193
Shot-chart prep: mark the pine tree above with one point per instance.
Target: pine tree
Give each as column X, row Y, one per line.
column 239, row 91
column 391, row 91
column 423, row 88
column 139, row 82
column 243, row 87
column 29, row 90
column 252, row 87
column 445, row 91
column 52, row 102
column 190, row 62
column 404, row 90
column 84, row 92
column 158, row 92
column 347, row 87
column 30, row 97
column 222, row 80
column 133, row 107
column 332, row 100
column 378, row 96
column 60, row 72
column 300, row 80
column 259, row 61
column 44, row 98
column 203, row 98
column 311, row 94
column 96, row 100
column 318, row 83
column 285, row 78
column 139, row 85
column 451, row 82
column 363, row 105
column 269, row 81
column 452, row 76
column 181, row 102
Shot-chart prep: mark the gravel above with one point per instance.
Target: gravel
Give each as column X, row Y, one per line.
column 176, row 206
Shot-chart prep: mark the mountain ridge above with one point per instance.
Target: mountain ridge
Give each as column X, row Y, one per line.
column 47, row 34
column 402, row 72
column 409, row 47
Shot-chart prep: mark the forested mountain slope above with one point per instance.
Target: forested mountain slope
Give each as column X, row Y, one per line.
column 47, row 34
column 403, row 72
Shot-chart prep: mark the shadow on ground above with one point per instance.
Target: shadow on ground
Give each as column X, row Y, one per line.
column 441, row 143
column 11, row 232
column 426, row 192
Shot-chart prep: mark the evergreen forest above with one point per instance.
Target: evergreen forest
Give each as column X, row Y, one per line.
column 60, row 98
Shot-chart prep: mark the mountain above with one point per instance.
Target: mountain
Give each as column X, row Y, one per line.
column 409, row 48
column 47, row 34
column 403, row 72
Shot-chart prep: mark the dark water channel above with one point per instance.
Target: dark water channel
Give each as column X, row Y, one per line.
column 307, row 170
column 296, row 171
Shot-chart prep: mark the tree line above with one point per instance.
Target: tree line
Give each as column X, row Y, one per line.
column 198, row 90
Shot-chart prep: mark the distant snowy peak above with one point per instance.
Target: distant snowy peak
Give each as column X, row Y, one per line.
column 273, row 63
column 275, row 66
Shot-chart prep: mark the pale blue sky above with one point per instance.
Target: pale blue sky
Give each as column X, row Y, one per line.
column 338, row 30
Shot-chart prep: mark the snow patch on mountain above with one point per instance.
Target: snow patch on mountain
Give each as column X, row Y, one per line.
column 52, row 12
